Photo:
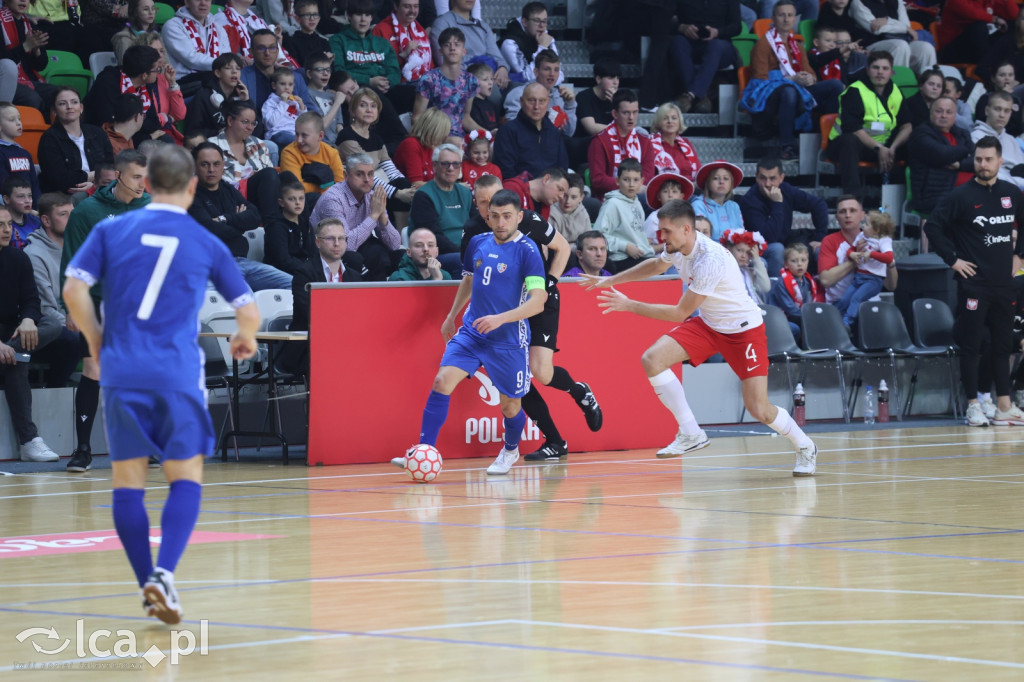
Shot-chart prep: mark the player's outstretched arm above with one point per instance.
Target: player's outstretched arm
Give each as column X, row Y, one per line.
column 80, row 307
column 243, row 341
column 652, row 267
column 534, row 304
column 461, row 299
column 614, row 300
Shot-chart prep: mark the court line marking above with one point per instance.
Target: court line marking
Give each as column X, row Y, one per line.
column 782, row 643
column 598, row 462
column 502, row 645
column 801, row 623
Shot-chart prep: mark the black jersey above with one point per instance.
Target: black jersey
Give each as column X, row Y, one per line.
column 975, row 223
column 533, row 226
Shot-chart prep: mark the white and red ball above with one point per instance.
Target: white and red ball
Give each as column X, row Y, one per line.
column 423, row 462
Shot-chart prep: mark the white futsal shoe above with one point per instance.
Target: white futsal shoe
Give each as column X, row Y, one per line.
column 503, row 463
column 1012, row 417
column 162, row 597
column 989, row 408
column 403, row 462
column 806, row 460
column 976, row 416
column 684, row 443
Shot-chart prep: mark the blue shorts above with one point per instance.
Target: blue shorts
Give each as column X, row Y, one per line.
column 507, row 367
column 167, row 424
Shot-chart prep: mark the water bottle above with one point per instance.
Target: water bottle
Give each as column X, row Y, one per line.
column 883, row 401
column 73, row 15
column 798, row 405
column 869, row 405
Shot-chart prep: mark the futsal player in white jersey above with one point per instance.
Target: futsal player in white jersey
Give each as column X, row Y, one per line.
column 730, row 323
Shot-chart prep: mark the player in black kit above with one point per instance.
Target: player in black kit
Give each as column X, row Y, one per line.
column 543, row 327
column 972, row 231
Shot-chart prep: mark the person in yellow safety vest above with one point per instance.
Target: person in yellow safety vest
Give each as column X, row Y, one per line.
column 872, row 123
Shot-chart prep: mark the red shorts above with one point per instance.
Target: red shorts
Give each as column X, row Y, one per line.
column 746, row 352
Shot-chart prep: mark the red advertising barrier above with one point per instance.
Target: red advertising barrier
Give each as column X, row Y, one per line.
column 375, row 350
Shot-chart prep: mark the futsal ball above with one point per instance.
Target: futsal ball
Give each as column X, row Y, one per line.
column 423, row 462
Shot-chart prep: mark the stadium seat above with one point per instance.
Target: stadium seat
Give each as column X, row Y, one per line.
column 933, row 327
column 744, row 43
column 32, row 128
column 65, row 68
column 273, row 303
column 881, row 328
column 164, row 13
column 905, row 79
column 823, row 329
column 218, row 375
column 101, row 60
column 826, row 123
column 782, row 348
column 806, row 31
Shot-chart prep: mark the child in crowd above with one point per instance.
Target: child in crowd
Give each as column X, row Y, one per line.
column 953, row 88
column 876, row 236
column 17, row 196
column 306, row 42
column 795, row 286
column 662, row 189
column 569, row 216
column 282, row 108
column 309, row 158
column 834, row 56
column 289, row 241
column 703, row 225
column 1003, row 79
column 484, row 111
column 478, row 157
column 192, row 140
column 852, row 57
column 747, row 248
column 449, row 87
column 622, row 219
column 14, row 160
column 329, row 92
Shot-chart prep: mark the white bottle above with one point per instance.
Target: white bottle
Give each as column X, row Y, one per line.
column 869, row 405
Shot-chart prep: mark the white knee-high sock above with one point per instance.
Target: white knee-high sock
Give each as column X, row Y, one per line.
column 670, row 390
column 785, row 426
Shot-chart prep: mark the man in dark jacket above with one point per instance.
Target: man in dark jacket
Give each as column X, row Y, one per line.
column 938, row 152
column 19, row 313
column 530, row 142
column 768, row 208
column 222, row 210
column 703, row 47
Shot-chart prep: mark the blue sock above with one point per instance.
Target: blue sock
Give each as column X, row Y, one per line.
column 132, row 523
column 179, row 518
column 434, row 415
column 514, row 430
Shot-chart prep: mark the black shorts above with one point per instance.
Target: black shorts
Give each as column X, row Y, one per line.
column 544, row 325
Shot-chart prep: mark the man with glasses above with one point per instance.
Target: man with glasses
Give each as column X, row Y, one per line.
column 408, row 38
column 193, row 41
column 363, row 210
column 442, row 206
column 530, row 142
column 256, row 78
column 525, row 38
column 307, row 42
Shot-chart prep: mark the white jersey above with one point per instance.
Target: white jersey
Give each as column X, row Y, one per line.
column 711, row 271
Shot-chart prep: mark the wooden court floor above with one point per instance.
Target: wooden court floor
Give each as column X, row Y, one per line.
column 902, row 559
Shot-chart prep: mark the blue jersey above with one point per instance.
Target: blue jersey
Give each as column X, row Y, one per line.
column 502, row 274
column 154, row 263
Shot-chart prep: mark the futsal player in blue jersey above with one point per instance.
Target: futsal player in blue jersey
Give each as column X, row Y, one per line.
column 503, row 279
column 154, row 264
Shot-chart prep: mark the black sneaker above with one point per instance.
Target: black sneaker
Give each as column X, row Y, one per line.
column 548, row 451
column 591, row 410
column 154, row 462
column 81, row 460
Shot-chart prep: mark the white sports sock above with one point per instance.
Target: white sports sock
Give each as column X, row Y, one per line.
column 982, row 397
column 670, row 391
column 785, row 426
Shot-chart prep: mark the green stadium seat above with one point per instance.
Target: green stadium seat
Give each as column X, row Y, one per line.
column 65, row 68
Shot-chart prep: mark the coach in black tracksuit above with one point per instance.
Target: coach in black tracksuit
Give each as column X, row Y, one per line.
column 971, row 229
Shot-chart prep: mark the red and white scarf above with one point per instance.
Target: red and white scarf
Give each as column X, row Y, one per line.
column 403, row 35
column 786, row 51
column 9, row 26
column 794, row 289
column 831, row 71
column 665, row 163
column 237, row 29
column 142, row 92
column 633, row 148
column 211, row 48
